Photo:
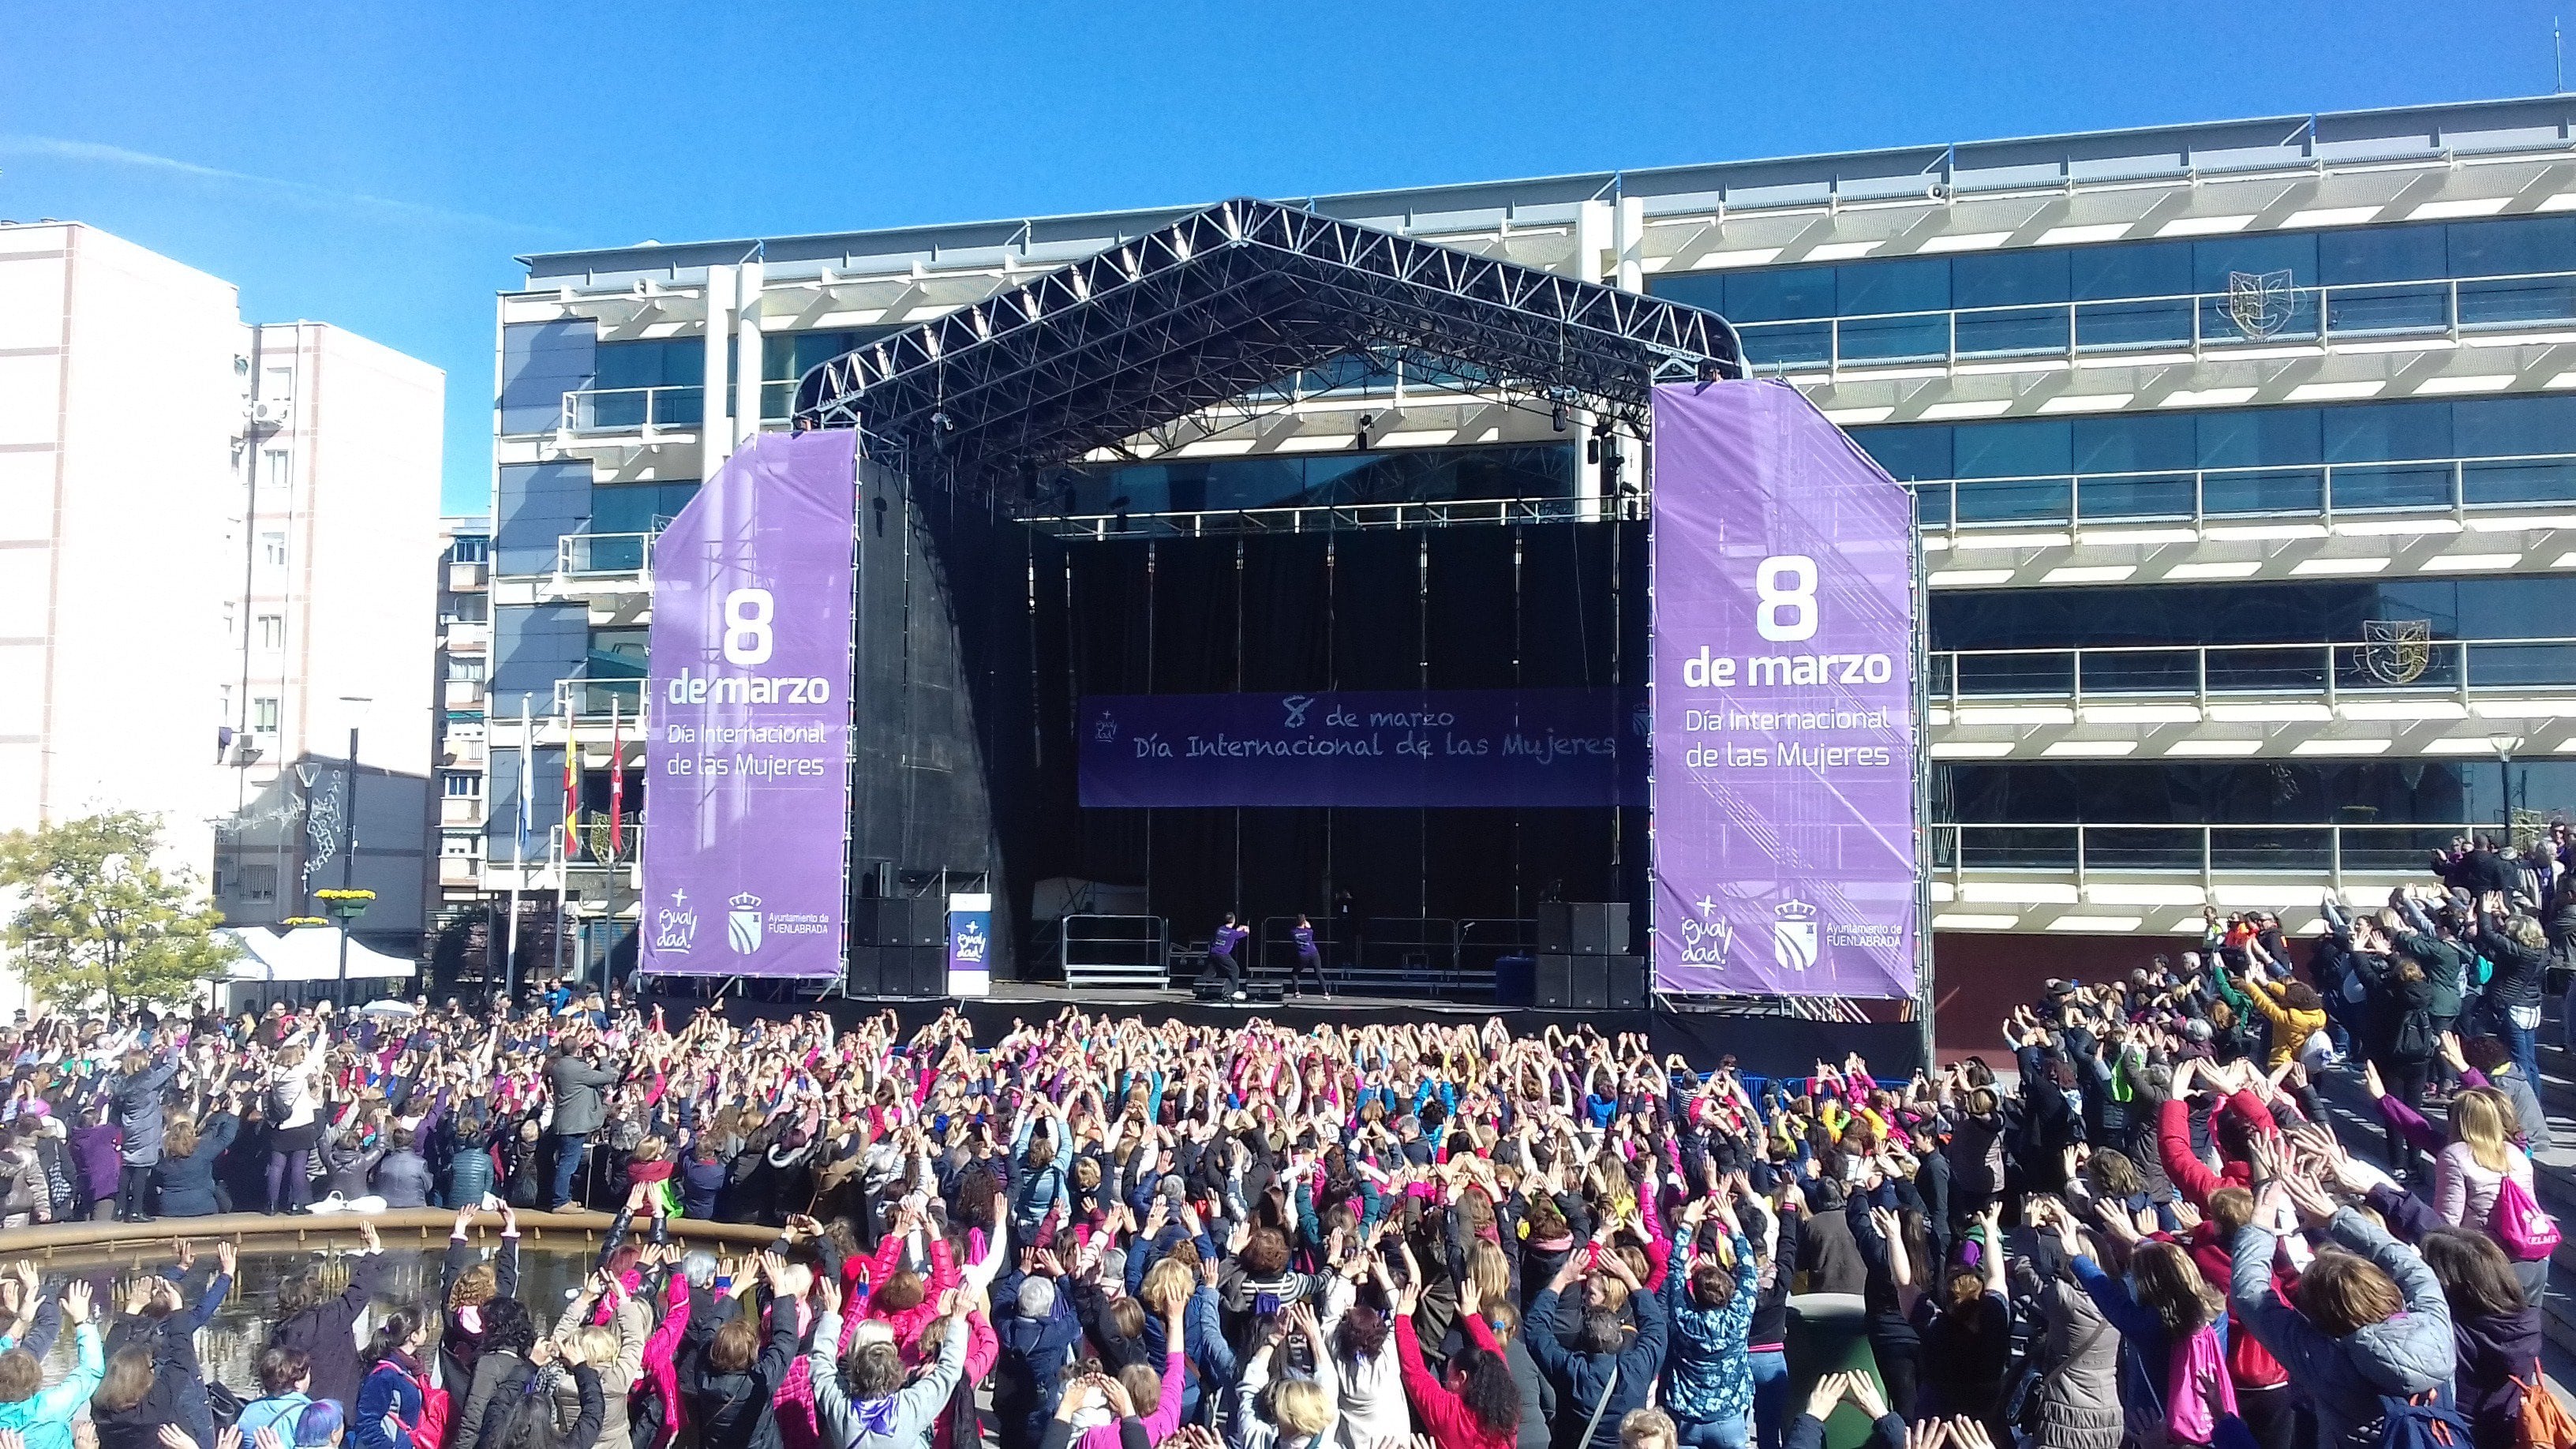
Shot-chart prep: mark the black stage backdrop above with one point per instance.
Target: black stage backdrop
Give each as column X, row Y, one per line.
column 1473, row 607
column 978, row 636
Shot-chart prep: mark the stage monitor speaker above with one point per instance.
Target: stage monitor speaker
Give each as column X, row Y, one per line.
column 866, row 976
column 1600, row 928
column 1554, row 977
column 1516, row 981
column 1627, row 983
column 1555, row 927
column 1591, row 983
column 914, row 972
column 899, row 921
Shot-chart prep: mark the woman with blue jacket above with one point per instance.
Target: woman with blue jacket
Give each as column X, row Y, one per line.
column 44, row 1416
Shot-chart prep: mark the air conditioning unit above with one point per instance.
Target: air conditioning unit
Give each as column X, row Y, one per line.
column 271, row 412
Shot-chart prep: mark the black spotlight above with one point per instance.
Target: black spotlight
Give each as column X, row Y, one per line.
column 1359, row 435
column 1556, row 417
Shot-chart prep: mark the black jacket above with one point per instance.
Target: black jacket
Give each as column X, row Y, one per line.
column 327, row 1335
column 737, row 1411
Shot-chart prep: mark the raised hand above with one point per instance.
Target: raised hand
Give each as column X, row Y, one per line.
column 227, row 1256
column 1829, row 1391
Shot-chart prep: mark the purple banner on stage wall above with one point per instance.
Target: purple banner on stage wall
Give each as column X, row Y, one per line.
column 1783, row 702
column 1411, row 749
column 747, row 817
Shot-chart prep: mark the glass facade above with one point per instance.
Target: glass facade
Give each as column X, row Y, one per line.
column 1543, row 470
column 2145, row 294
column 2236, row 460
column 629, row 379
column 2516, row 606
column 785, row 358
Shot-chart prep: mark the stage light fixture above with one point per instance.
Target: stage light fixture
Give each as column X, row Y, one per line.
column 1556, row 417
column 1360, row 434
column 1592, row 449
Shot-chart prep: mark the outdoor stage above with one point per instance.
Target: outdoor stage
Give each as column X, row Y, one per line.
column 1767, row 1045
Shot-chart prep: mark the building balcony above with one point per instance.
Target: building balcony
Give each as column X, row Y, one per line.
column 593, row 711
column 457, row 872
column 457, row 810
column 464, row 636
column 588, row 872
column 2190, row 327
column 2382, row 519
column 455, row 750
column 2396, row 696
column 462, row 694
column 2152, row 880
column 467, row 576
column 624, row 416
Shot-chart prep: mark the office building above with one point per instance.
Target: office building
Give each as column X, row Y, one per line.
column 2244, row 452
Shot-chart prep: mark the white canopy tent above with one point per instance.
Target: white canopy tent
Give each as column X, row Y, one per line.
column 279, row 965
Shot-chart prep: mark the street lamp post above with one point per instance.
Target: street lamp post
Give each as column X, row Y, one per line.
column 349, row 842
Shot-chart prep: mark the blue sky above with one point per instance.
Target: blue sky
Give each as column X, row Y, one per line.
column 378, row 166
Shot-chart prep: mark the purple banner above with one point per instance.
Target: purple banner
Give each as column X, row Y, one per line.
column 1783, row 702
column 1402, row 748
column 748, row 815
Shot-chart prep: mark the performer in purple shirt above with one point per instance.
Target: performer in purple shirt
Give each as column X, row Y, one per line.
column 1221, row 955
column 1308, row 960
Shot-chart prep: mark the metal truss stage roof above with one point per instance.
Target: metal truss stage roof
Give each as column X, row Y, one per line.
column 1213, row 313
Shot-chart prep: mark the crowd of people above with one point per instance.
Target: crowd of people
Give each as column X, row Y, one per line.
column 1120, row 1234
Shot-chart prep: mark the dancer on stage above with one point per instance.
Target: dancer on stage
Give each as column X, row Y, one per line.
column 1221, row 958
column 1309, row 960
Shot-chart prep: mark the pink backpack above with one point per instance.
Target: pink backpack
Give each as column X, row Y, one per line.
column 2200, row 1395
column 2528, row 1234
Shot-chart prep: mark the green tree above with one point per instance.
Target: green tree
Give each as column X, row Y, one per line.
column 97, row 920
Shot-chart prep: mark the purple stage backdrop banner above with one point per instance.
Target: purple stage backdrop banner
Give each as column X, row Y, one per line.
column 1400, row 748
column 1783, row 702
column 748, row 813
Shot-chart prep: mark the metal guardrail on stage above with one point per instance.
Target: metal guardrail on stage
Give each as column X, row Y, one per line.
column 1116, row 951
column 1398, row 955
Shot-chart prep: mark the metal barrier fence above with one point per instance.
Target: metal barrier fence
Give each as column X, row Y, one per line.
column 1131, row 952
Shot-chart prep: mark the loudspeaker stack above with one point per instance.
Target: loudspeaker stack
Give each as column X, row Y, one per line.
column 898, row 947
column 1583, row 962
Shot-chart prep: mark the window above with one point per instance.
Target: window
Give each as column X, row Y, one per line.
column 229, row 620
column 263, row 714
column 469, row 548
column 272, row 471
column 468, row 609
column 272, row 550
column 460, row 847
column 464, row 785
column 272, row 632
column 637, row 508
column 259, row 884
column 465, row 667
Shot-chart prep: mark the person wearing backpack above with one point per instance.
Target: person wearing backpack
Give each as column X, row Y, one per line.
column 2471, row 1176
column 2402, row 1032
column 2365, row 1333
column 2497, row 1330
column 397, row 1407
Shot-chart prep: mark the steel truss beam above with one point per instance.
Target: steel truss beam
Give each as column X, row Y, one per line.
column 1223, row 306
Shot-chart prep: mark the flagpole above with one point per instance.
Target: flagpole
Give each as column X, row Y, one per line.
column 565, row 843
column 616, row 840
column 519, row 856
